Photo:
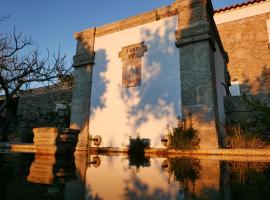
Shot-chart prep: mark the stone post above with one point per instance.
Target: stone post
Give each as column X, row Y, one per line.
column 83, row 63
column 195, row 38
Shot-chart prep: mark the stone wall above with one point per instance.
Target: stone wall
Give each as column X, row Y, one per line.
column 238, row 110
column 246, row 41
column 40, row 107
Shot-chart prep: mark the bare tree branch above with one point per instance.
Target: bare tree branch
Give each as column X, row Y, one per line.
column 19, row 70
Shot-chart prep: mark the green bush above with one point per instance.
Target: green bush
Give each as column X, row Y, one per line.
column 138, row 145
column 184, row 136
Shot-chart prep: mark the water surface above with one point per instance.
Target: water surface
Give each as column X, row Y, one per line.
column 29, row 176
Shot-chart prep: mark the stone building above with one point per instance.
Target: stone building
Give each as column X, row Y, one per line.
column 136, row 76
column 245, row 33
column 131, row 78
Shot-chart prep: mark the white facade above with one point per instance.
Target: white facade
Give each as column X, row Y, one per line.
column 118, row 113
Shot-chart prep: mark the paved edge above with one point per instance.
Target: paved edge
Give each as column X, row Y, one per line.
column 31, row 148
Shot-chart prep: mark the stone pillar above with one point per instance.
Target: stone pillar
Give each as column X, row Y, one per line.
column 195, row 38
column 83, row 63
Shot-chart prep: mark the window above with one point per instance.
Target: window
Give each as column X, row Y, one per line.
column 235, row 88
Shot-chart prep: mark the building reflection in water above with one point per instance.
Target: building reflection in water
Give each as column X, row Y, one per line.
column 173, row 178
column 121, row 177
column 51, row 170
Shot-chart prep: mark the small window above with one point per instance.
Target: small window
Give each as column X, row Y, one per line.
column 235, row 88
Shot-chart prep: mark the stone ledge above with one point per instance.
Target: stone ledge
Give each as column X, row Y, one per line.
column 31, row 148
column 18, row 148
column 130, row 22
column 163, row 151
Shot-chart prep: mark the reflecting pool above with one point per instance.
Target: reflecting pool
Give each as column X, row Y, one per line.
column 95, row 177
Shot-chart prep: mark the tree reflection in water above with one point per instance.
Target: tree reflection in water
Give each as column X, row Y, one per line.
column 186, row 171
column 249, row 180
column 138, row 161
column 183, row 170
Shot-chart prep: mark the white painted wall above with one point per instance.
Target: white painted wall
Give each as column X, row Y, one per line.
column 118, row 113
column 243, row 12
column 220, row 77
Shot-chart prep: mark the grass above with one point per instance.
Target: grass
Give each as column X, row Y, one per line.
column 252, row 133
column 239, row 137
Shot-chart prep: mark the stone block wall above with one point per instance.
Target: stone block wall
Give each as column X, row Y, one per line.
column 246, row 41
column 238, row 110
column 41, row 107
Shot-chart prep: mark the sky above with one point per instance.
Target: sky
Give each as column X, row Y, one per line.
column 51, row 23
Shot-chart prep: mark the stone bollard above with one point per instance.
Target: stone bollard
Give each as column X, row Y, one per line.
column 52, row 140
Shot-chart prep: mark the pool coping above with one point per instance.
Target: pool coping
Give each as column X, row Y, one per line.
column 31, row 148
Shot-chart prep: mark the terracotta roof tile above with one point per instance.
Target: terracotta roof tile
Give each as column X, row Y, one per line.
column 239, row 5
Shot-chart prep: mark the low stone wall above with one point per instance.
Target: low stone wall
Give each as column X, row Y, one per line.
column 41, row 107
column 238, row 110
column 50, row 107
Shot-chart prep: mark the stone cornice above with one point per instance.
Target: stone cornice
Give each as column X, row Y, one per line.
column 88, row 33
column 130, row 22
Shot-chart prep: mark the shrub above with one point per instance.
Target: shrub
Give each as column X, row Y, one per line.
column 138, row 145
column 183, row 136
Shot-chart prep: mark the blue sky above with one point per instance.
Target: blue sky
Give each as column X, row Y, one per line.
column 52, row 22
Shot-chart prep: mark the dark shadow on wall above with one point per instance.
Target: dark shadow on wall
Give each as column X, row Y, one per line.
column 99, row 82
column 260, row 84
column 8, row 120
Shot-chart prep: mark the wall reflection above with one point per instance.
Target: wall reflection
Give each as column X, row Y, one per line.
column 95, row 177
column 53, row 171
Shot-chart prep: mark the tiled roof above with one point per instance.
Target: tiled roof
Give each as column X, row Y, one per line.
column 239, row 5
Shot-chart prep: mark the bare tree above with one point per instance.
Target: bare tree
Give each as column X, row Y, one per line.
column 21, row 66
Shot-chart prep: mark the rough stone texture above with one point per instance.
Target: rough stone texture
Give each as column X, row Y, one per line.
column 83, row 63
column 48, row 169
column 59, row 140
column 246, row 42
column 238, row 110
column 199, row 98
column 40, row 107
